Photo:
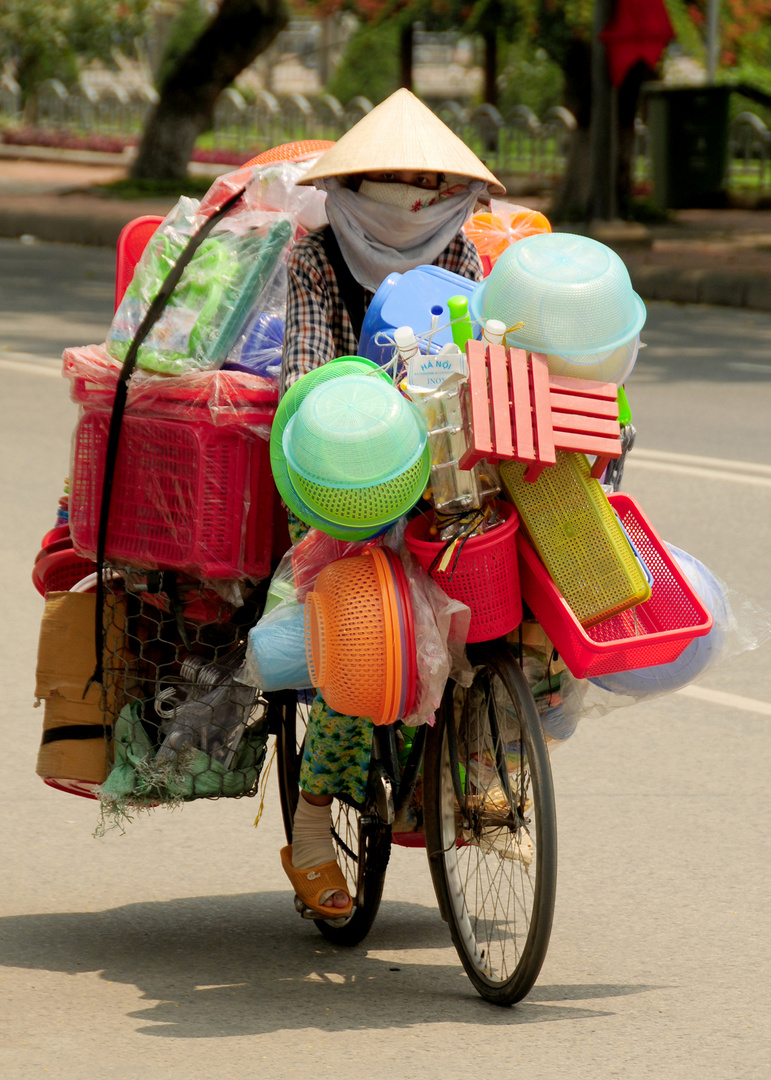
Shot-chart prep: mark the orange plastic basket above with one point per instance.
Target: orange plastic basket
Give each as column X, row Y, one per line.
column 353, row 640
column 292, row 151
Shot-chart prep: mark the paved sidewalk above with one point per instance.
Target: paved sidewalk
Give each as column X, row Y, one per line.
column 701, row 256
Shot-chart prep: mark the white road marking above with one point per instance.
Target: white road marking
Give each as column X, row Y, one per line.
column 729, row 701
column 745, row 365
column 41, row 365
column 733, row 471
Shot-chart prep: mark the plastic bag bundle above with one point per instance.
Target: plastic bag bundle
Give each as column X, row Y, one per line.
column 276, row 647
column 493, row 230
column 275, row 655
column 216, row 293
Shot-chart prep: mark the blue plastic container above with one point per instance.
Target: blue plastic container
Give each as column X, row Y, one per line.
column 276, row 651
column 261, row 354
column 410, row 300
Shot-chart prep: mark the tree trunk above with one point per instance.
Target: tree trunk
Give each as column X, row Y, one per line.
column 573, row 198
column 628, row 98
column 406, row 36
column 490, row 38
column 240, row 31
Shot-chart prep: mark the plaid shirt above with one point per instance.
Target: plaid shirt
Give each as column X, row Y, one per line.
column 317, row 325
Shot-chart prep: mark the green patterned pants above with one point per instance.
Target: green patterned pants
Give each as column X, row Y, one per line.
column 337, row 747
column 337, row 753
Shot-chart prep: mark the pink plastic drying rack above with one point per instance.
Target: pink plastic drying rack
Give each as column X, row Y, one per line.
column 517, row 411
column 655, row 632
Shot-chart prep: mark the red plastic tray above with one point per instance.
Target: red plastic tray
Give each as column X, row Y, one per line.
column 655, row 632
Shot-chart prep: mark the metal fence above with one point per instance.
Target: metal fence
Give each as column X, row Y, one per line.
column 513, row 144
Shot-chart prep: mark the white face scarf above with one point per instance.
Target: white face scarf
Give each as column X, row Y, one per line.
column 377, row 240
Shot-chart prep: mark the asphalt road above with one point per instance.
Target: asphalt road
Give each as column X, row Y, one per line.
column 175, row 949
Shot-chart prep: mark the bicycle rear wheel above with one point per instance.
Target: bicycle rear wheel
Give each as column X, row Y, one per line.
column 491, row 833
column 362, row 842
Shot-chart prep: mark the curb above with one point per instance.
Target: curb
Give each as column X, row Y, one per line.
column 702, row 286
column 62, row 229
column 674, row 284
column 12, row 152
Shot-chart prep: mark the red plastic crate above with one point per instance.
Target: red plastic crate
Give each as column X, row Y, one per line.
column 655, row 632
column 187, row 494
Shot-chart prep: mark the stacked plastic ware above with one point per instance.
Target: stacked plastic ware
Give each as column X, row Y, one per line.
column 353, row 455
column 360, row 637
column 569, row 297
column 480, row 571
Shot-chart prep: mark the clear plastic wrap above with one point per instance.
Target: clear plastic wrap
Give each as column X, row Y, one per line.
column 275, row 654
column 441, row 629
column 272, row 187
column 545, row 673
column 208, row 718
column 217, row 397
column 193, row 489
column 218, row 289
column 259, row 344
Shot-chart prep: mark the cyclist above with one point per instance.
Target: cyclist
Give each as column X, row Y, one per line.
column 400, row 185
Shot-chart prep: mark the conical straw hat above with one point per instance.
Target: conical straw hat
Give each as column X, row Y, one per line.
column 401, row 133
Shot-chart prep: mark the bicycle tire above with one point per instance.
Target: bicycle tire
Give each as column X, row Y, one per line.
column 362, row 842
column 493, row 857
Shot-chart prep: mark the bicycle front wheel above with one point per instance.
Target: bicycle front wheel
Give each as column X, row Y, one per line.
column 491, row 830
column 362, row 842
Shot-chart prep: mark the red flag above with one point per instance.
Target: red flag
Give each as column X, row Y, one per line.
column 638, row 30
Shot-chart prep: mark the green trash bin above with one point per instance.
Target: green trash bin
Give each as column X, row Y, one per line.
column 688, row 141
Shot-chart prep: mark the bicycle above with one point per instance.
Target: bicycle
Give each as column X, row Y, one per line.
column 488, row 814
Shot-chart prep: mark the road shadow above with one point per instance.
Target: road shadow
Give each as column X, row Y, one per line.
column 221, row 966
column 697, row 343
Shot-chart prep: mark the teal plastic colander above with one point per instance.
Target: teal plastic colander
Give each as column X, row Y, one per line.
column 354, row 432
column 573, row 295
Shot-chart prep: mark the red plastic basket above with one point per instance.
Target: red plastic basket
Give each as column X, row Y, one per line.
column 655, row 632
column 58, row 571
column 187, row 495
column 134, row 238
column 484, row 576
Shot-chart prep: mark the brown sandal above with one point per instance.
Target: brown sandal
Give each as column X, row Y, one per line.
column 311, row 884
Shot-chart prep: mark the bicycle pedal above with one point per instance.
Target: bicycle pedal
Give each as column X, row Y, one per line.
column 308, row 913
column 384, row 796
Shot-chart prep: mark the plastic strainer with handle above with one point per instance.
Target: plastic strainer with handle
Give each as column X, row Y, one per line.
column 573, row 295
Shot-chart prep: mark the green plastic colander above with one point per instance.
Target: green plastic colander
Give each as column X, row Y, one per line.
column 287, row 407
column 366, row 507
